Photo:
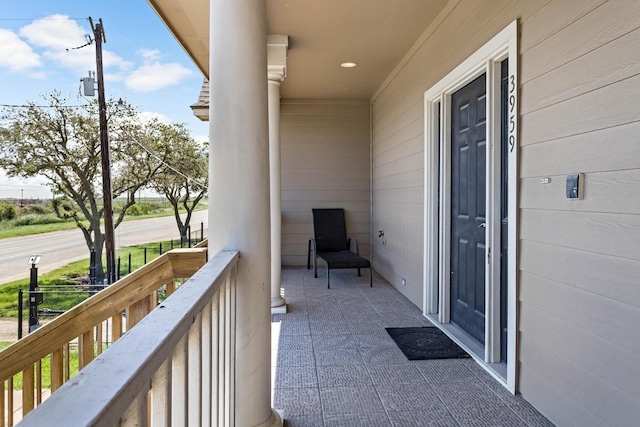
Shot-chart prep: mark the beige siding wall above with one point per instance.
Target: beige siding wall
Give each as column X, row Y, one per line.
column 579, row 263
column 325, row 164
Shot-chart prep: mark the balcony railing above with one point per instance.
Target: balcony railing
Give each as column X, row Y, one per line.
column 174, row 365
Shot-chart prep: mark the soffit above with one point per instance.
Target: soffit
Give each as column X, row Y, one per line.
column 375, row 34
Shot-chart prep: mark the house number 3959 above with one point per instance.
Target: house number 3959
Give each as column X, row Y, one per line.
column 512, row 115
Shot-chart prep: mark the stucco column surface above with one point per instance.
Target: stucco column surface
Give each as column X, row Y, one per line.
column 276, row 209
column 239, row 191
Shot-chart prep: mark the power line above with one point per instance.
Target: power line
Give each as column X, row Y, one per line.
column 44, row 106
column 152, row 154
column 42, row 19
column 35, row 186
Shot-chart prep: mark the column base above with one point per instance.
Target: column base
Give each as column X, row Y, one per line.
column 275, row 420
column 278, row 305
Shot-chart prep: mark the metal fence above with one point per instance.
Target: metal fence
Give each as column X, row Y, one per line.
column 47, row 302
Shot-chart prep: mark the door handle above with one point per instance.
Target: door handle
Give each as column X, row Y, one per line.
column 483, row 225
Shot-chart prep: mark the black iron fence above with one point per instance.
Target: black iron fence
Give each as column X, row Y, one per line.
column 47, row 302
column 124, row 265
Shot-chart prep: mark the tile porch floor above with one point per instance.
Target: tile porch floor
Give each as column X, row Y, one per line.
column 335, row 365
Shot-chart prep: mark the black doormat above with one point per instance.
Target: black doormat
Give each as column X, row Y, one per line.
column 425, row 343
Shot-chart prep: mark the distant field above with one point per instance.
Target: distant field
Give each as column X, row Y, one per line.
column 9, row 229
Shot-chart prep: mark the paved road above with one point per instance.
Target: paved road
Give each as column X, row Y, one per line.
column 63, row 247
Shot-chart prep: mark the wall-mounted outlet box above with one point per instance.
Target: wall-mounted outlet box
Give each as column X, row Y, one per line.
column 575, row 186
column 404, row 282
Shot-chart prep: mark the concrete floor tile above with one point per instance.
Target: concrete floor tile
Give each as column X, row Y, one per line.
column 409, row 397
column 295, row 342
column 357, row 420
column 382, row 354
column 445, row 371
column 426, row 417
column 350, row 400
column 388, row 373
column 296, row 376
column 295, row 328
column 343, row 376
column 296, row 358
column 304, row 421
column 297, row 401
column 500, row 417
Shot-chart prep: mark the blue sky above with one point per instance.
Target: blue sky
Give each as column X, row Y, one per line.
column 143, row 63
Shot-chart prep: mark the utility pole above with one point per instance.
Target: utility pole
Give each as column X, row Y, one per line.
column 99, row 37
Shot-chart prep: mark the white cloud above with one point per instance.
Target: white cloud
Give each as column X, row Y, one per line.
column 54, row 32
column 147, row 116
column 15, row 54
column 153, row 76
column 60, row 36
column 149, row 54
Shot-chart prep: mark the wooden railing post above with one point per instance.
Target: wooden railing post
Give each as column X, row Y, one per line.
column 57, row 369
column 179, row 384
column 161, row 395
column 27, row 390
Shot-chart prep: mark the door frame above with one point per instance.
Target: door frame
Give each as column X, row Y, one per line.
column 437, row 290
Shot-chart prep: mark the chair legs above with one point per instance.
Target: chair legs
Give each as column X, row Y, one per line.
column 329, row 277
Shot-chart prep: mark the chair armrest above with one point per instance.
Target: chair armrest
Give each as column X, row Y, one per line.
column 355, row 241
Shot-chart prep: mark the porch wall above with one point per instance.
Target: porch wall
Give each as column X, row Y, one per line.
column 579, row 261
column 325, row 164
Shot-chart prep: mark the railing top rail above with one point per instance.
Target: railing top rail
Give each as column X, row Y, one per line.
column 98, row 308
column 104, row 389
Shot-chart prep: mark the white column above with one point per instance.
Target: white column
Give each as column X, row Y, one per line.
column 239, row 190
column 276, row 71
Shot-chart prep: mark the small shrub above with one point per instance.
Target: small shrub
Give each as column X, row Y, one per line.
column 7, row 211
column 33, row 219
column 35, row 209
column 139, row 209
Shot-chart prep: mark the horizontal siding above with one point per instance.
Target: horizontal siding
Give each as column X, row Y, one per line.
column 604, row 150
column 584, row 113
column 560, row 407
column 588, row 72
column 325, row 164
column 579, row 261
column 556, row 349
column 600, row 233
column 607, row 276
column 600, row 26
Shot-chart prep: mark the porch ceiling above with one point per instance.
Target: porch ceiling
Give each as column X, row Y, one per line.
column 375, row 34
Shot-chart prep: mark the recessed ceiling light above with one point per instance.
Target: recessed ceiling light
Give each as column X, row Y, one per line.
column 348, row 64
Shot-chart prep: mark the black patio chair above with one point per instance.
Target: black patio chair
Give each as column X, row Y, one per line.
column 332, row 244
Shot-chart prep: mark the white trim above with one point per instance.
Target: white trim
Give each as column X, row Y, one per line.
column 437, row 221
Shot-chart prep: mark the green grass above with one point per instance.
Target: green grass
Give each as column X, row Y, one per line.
column 8, row 230
column 67, row 279
column 64, row 278
column 46, row 368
